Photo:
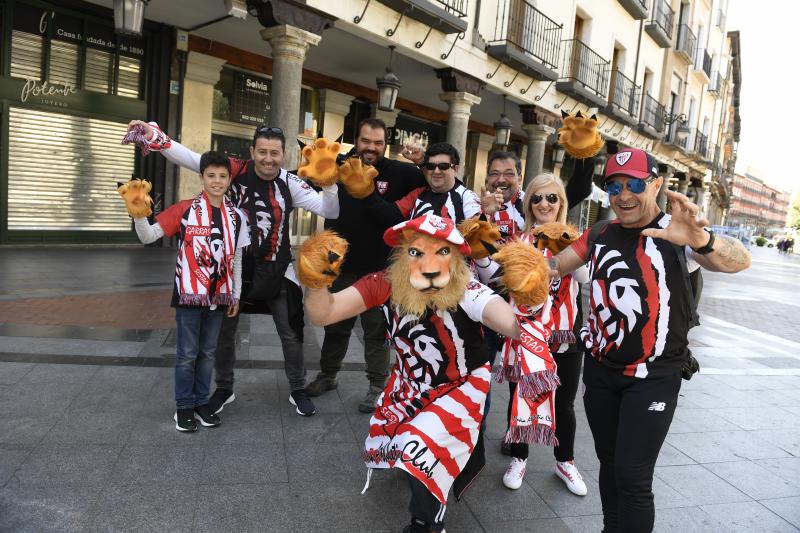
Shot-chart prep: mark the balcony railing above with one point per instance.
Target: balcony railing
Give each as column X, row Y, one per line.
column 717, row 84
column 683, row 139
column 447, row 16
column 585, row 68
column 538, row 37
column 687, row 42
column 703, row 62
column 624, row 93
column 701, row 145
column 661, row 25
column 652, row 114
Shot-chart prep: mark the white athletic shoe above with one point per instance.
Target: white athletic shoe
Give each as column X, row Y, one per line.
column 512, row 479
column 569, row 474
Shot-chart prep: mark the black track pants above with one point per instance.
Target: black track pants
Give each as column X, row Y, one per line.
column 629, row 418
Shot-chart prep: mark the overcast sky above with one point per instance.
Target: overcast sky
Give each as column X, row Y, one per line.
column 769, row 46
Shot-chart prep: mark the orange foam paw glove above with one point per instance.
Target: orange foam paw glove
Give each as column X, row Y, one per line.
column 554, row 236
column 357, row 177
column 137, row 197
column 320, row 162
column 481, row 235
column 526, row 275
column 320, row 260
column 579, row 135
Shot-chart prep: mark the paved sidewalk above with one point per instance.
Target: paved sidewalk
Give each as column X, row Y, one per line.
column 88, row 443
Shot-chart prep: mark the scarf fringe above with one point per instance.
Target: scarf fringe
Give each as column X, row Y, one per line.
column 563, row 336
column 198, row 300
column 532, row 434
column 224, row 299
column 538, row 383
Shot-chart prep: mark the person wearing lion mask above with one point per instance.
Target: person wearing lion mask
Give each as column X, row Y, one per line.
column 427, row 420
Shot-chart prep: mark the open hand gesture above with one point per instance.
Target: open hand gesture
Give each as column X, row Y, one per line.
column 684, row 227
column 491, row 201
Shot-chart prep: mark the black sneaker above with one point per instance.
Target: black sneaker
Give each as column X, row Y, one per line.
column 304, row 405
column 220, row 399
column 321, row 384
column 184, row 420
column 418, row 526
column 206, row 416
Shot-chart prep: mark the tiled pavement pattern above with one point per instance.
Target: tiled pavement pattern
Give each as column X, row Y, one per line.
column 87, row 442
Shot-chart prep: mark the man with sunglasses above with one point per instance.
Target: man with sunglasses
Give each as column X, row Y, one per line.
column 635, row 338
column 367, row 253
column 267, row 193
column 503, row 197
column 444, row 195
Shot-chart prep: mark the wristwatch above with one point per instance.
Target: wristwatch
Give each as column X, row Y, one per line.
column 709, row 247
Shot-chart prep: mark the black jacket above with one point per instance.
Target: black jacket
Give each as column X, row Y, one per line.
column 367, row 252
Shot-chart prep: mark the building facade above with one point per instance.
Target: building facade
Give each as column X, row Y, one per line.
column 657, row 73
column 757, row 206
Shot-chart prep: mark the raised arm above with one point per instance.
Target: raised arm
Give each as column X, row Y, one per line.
column 685, row 229
column 324, row 307
column 174, row 151
column 499, row 317
column 305, row 197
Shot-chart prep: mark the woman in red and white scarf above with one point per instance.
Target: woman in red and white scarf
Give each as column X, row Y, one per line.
column 546, row 201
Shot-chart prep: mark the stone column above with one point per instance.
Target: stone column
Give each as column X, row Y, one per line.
column 335, row 107
column 202, row 73
column 460, row 92
column 289, row 47
column 537, row 139
column 539, row 125
column 477, row 159
column 459, row 106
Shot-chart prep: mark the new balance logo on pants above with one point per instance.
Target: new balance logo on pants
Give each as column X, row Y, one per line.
column 657, row 406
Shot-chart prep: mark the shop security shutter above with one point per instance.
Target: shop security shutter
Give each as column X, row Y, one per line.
column 129, row 70
column 99, row 70
column 63, row 63
column 26, row 55
column 63, row 172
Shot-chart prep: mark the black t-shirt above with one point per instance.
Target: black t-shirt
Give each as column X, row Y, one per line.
column 367, row 252
column 639, row 308
column 216, row 240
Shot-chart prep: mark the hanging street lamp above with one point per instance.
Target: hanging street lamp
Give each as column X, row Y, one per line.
column 388, row 86
column 129, row 16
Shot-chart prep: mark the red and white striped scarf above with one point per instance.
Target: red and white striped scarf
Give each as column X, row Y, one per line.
column 529, row 363
column 200, row 261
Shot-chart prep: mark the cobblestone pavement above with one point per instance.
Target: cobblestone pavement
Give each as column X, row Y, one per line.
column 88, row 443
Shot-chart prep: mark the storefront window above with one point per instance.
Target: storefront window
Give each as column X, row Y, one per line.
column 39, row 37
column 243, row 98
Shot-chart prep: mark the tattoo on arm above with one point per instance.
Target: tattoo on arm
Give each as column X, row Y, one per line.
column 730, row 253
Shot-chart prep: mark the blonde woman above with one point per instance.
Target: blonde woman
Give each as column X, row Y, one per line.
column 546, row 201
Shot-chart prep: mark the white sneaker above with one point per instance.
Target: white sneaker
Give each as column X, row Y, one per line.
column 516, row 471
column 568, row 472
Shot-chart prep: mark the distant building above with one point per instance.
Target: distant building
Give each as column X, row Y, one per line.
column 757, row 205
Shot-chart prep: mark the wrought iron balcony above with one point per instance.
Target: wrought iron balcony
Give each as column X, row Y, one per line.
column 623, row 103
column 702, row 65
column 636, row 8
column 686, row 43
column 526, row 39
column 447, row 16
column 661, row 25
column 717, row 84
column 584, row 74
column 651, row 121
column 701, row 147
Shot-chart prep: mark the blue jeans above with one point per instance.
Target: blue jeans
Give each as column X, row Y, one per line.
column 198, row 330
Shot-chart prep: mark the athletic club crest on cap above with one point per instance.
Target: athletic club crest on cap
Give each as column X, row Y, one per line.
column 382, row 186
column 622, row 158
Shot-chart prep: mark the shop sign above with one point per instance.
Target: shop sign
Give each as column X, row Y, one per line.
column 250, row 99
column 408, row 129
column 46, row 93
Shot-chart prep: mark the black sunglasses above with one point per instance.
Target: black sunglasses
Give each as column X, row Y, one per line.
column 269, row 129
column 551, row 198
column 440, row 166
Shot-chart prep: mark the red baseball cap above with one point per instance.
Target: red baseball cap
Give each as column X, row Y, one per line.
column 631, row 162
column 428, row 224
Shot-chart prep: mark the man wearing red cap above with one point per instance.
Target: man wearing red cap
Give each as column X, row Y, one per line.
column 635, row 337
column 427, row 420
